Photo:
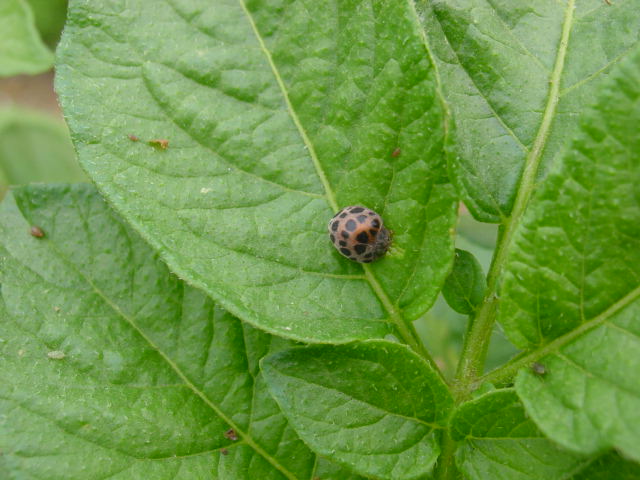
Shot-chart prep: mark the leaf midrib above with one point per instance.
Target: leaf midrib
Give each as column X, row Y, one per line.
column 432, row 426
column 475, row 349
column 119, row 312
column 393, row 312
column 294, row 116
column 507, row 371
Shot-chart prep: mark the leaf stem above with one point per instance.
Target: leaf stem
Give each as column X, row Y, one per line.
column 406, row 330
column 446, row 466
column 479, row 334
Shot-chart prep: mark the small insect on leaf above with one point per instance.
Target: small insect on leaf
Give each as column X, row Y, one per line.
column 396, row 153
column 36, row 232
column 224, row 451
column 359, row 234
column 539, row 369
column 231, row 435
column 159, row 143
column 56, row 355
column 134, row 138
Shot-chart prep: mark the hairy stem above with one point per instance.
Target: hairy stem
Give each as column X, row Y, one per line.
column 477, row 342
column 446, row 466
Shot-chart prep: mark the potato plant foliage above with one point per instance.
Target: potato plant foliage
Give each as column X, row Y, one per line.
column 186, row 316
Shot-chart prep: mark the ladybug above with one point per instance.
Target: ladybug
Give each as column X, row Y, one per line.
column 358, row 233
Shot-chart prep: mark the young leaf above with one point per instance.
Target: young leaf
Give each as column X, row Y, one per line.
column 110, row 365
column 21, row 49
column 572, row 282
column 275, row 117
column 498, row 441
column 464, row 287
column 516, row 73
column 375, row 406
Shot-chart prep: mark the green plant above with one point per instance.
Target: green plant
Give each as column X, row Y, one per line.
column 208, row 329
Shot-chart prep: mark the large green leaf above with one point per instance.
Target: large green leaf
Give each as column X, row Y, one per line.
column 499, row 442
column 111, row 366
column 577, row 252
column 572, row 281
column 517, row 74
column 35, row 148
column 277, row 114
column 375, row 407
column 21, row 49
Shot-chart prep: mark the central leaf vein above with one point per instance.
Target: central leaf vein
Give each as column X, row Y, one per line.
column 294, row 116
column 330, row 195
column 131, row 321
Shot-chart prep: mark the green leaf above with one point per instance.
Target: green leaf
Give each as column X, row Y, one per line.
column 577, row 251
column 464, row 287
column 374, row 406
column 326, row 470
column 610, row 467
column 498, row 441
column 572, row 281
column 35, row 148
column 21, row 49
column 276, row 115
column 590, row 397
column 50, row 16
column 110, row 365
column 517, row 74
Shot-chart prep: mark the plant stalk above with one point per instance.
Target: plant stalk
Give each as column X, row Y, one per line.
column 446, row 468
column 477, row 342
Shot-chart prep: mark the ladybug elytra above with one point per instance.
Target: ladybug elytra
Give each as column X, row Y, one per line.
column 358, row 233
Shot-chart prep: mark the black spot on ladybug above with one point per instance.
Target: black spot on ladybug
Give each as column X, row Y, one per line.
column 370, row 212
column 333, row 238
column 375, row 223
column 357, row 210
column 360, row 248
column 334, row 226
column 344, row 214
column 345, row 251
column 373, row 232
column 345, row 234
column 362, row 237
column 350, row 225
column 362, row 218
column 368, row 255
column 343, row 243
